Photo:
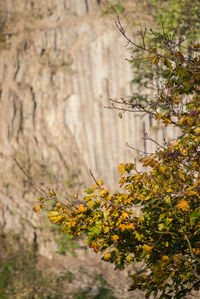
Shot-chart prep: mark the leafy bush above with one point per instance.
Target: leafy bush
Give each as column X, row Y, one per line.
column 171, row 17
column 163, row 242
column 165, row 237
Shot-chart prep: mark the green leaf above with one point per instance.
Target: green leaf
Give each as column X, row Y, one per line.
column 194, row 216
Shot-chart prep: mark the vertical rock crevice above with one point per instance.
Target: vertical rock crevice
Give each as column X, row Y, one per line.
column 86, row 6
column 34, row 105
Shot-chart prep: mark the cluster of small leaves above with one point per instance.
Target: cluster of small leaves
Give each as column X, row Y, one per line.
column 172, row 17
column 178, row 67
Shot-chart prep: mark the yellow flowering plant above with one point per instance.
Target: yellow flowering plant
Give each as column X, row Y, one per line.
column 166, row 235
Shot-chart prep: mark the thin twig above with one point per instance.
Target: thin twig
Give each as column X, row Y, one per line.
column 147, row 137
column 35, row 185
column 31, row 179
column 139, row 151
column 94, row 179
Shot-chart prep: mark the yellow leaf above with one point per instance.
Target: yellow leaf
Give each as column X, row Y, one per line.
column 95, row 186
column 106, row 214
column 154, row 59
column 131, row 226
column 190, row 121
column 129, row 259
column 181, row 175
column 55, row 216
column 184, row 152
column 196, row 251
column 115, row 238
column 82, row 209
column 181, row 121
column 195, row 164
column 122, row 226
column 37, row 208
column 107, row 256
column 52, row 193
column 103, row 192
column 121, row 181
column 167, row 121
column 121, row 168
column 197, row 131
column 95, row 246
column 191, row 193
column 158, row 116
column 165, row 258
column 162, row 169
column 147, row 248
column 137, row 177
column 106, row 229
column 172, row 274
column 138, row 236
column 169, row 219
column 148, row 161
column 183, row 205
column 124, row 215
column 99, row 183
column 176, row 100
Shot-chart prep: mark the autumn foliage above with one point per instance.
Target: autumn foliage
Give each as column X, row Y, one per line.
column 164, row 241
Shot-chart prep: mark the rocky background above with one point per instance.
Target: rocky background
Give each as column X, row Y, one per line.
column 60, row 62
